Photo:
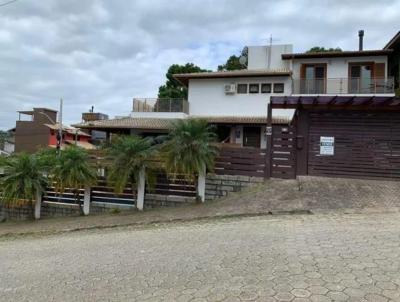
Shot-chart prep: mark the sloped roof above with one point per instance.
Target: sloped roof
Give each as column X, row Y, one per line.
column 336, row 54
column 394, row 42
column 67, row 129
column 84, row 145
column 165, row 123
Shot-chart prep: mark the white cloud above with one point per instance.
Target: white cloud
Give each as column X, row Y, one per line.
column 104, row 53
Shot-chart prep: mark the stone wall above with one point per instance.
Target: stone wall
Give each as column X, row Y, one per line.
column 58, row 210
column 15, row 213
column 156, row 201
column 221, row 185
column 100, row 207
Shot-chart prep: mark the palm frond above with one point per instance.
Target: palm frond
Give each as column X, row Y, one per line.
column 23, row 178
column 129, row 155
column 190, row 147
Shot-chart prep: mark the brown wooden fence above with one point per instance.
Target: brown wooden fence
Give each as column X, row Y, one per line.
column 173, row 185
column 51, row 195
column 240, row 161
column 283, row 152
column 104, row 193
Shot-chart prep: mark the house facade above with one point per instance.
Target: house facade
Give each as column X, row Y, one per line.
column 236, row 102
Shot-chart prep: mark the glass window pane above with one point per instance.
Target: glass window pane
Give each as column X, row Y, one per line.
column 266, row 88
column 278, row 88
column 309, row 72
column 355, row 71
column 242, row 88
column 254, row 88
column 319, row 72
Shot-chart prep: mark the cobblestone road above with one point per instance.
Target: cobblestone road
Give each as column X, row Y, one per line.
column 283, row 258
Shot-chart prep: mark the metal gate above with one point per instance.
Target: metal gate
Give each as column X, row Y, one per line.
column 283, row 152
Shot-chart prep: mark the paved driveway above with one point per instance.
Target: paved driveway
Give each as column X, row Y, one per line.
column 282, row 258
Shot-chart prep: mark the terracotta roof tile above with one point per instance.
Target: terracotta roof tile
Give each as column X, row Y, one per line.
column 164, row 123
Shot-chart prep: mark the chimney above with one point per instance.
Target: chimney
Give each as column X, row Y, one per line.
column 360, row 39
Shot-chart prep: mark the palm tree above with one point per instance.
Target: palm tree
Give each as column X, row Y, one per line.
column 190, row 149
column 23, row 179
column 72, row 170
column 130, row 156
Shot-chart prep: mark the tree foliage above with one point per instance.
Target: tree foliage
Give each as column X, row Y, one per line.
column 129, row 155
column 322, row 49
column 173, row 88
column 23, row 178
column 189, row 147
column 232, row 63
column 72, row 169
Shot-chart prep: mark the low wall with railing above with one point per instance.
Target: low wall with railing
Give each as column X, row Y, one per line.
column 160, row 105
column 343, row 86
column 235, row 169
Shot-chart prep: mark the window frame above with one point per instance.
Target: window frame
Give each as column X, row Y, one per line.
column 242, row 84
column 254, row 85
column 266, row 84
column 283, row 88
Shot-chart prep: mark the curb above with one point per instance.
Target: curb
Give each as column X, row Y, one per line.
column 154, row 222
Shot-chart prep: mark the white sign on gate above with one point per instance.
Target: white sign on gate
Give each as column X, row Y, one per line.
column 327, row 145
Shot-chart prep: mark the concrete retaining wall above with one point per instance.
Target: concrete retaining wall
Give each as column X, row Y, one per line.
column 59, row 210
column 15, row 213
column 100, row 207
column 156, row 201
column 221, row 185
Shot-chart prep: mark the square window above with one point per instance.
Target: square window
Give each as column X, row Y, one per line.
column 266, row 88
column 279, row 87
column 242, row 88
column 254, row 88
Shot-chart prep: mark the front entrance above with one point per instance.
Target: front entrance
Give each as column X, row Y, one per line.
column 252, row 137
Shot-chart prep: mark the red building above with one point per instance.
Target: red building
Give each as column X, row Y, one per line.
column 39, row 130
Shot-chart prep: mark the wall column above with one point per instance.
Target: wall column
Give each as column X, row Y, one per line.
column 38, row 205
column 86, row 201
column 201, row 184
column 141, row 189
column 268, row 153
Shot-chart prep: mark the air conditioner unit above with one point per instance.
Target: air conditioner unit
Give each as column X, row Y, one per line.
column 230, row 88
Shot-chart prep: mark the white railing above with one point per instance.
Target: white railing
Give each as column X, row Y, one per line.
column 160, row 105
column 343, row 86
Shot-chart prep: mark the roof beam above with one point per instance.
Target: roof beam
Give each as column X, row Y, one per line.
column 369, row 101
column 350, row 101
column 388, row 101
column 332, row 101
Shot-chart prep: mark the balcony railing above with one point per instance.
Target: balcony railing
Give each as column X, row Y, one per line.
column 160, row 105
column 343, row 86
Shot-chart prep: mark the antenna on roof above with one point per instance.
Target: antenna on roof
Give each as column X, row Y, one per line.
column 269, row 50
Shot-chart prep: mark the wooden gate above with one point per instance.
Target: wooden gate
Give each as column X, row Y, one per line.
column 283, row 152
column 366, row 144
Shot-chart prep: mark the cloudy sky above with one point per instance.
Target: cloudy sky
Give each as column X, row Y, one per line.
column 104, row 53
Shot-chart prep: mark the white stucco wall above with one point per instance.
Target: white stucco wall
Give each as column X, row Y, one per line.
column 207, row 97
column 258, row 57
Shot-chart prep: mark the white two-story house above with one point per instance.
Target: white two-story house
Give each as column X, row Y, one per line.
column 236, row 101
